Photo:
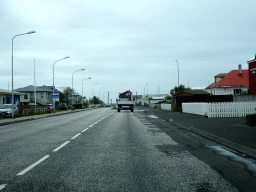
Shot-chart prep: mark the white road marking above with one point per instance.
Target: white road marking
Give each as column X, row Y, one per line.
column 76, row 136
column 33, row 165
column 61, row 146
column 2, row 186
column 91, row 125
column 84, row 130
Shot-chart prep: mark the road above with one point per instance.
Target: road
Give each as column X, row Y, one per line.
column 102, row 150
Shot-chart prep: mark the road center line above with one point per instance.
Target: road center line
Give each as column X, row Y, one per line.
column 84, row 130
column 33, row 165
column 61, row 146
column 2, row 186
column 76, row 136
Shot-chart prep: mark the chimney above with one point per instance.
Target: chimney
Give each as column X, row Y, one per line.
column 239, row 69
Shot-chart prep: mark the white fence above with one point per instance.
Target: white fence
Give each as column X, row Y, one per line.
column 229, row 109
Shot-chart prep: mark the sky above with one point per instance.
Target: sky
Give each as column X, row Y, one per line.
column 124, row 44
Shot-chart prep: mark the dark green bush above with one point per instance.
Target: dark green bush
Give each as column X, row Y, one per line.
column 177, row 108
column 251, row 120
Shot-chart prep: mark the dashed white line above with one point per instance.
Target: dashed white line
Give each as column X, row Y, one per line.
column 33, row 165
column 61, row 146
column 76, row 136
column 91, row 125
column 84, row 130
column 2, row 186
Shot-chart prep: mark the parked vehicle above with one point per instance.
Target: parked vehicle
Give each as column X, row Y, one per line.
column 6, row 110
column 70, row 107
column 63, row 106
column 50, row 106
column 124, row 101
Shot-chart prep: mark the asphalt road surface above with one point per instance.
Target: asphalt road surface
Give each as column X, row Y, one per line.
column 103, row 150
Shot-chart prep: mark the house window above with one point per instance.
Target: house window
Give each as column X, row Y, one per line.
column 26, row 96
column 42, row 95
column 237, row 91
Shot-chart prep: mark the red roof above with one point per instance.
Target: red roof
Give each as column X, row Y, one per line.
column 221, row 75
column 233, row 79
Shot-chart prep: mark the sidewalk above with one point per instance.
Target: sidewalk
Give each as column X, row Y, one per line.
column 231, row 132
column 34, row 117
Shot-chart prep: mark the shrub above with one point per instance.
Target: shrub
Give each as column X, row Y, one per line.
column 177, row 108
column 251, row 120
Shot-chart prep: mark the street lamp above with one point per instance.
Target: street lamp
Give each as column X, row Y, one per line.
column 147, row 89
column 99, row 94
column 92, row 93
column 72, row 83
column 178, row 72
column 53, row 102
column 30, row 32
column 83, row 91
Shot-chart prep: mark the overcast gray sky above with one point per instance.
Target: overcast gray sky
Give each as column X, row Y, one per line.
column 124, row 44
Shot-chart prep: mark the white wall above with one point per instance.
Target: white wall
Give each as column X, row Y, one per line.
column 195, row 108
column 225, row 91
column 167, row 107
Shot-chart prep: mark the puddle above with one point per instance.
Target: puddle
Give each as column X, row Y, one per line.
column 250, row 164
column 153, row 116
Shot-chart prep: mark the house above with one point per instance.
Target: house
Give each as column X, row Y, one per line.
column 6, row 97
column 77, row 99
column 236, row 82
column 43, row 95
column 252, row 76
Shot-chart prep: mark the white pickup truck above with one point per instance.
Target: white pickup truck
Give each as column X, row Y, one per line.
column 124, row 101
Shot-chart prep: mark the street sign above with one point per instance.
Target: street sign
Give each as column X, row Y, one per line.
column 56, row 96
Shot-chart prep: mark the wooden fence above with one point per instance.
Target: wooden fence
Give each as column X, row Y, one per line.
column 37, row 110
column 225, row 109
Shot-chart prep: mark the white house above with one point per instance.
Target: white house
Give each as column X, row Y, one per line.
column 236, row 82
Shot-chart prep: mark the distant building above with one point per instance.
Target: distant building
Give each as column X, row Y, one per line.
column 236, row 82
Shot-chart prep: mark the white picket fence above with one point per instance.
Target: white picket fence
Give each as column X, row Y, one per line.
column 227, row 109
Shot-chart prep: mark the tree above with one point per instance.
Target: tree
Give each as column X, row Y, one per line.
column 178, row 89
column 96, row 100
column 67, row 95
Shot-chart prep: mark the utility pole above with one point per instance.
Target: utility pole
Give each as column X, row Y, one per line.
column 108, row 98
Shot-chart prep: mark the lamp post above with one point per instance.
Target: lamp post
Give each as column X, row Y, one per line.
column 178, row 72
column 147, row 89
column 83, row 91
column 53, row 102
column 72, row 83
column 92, row 93
column 30, row 32
column 99, row 94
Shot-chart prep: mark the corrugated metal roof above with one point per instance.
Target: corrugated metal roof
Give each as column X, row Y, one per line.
column 30, row 88
column 233, row 79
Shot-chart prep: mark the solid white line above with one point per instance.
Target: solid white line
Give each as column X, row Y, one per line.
column 33, row 165
column 76, row 136
column 61, row 146
column 91, row 125
column 84, row 130
column 2, row 186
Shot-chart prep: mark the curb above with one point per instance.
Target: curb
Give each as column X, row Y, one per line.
column 238, row 147
column 35, row 117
